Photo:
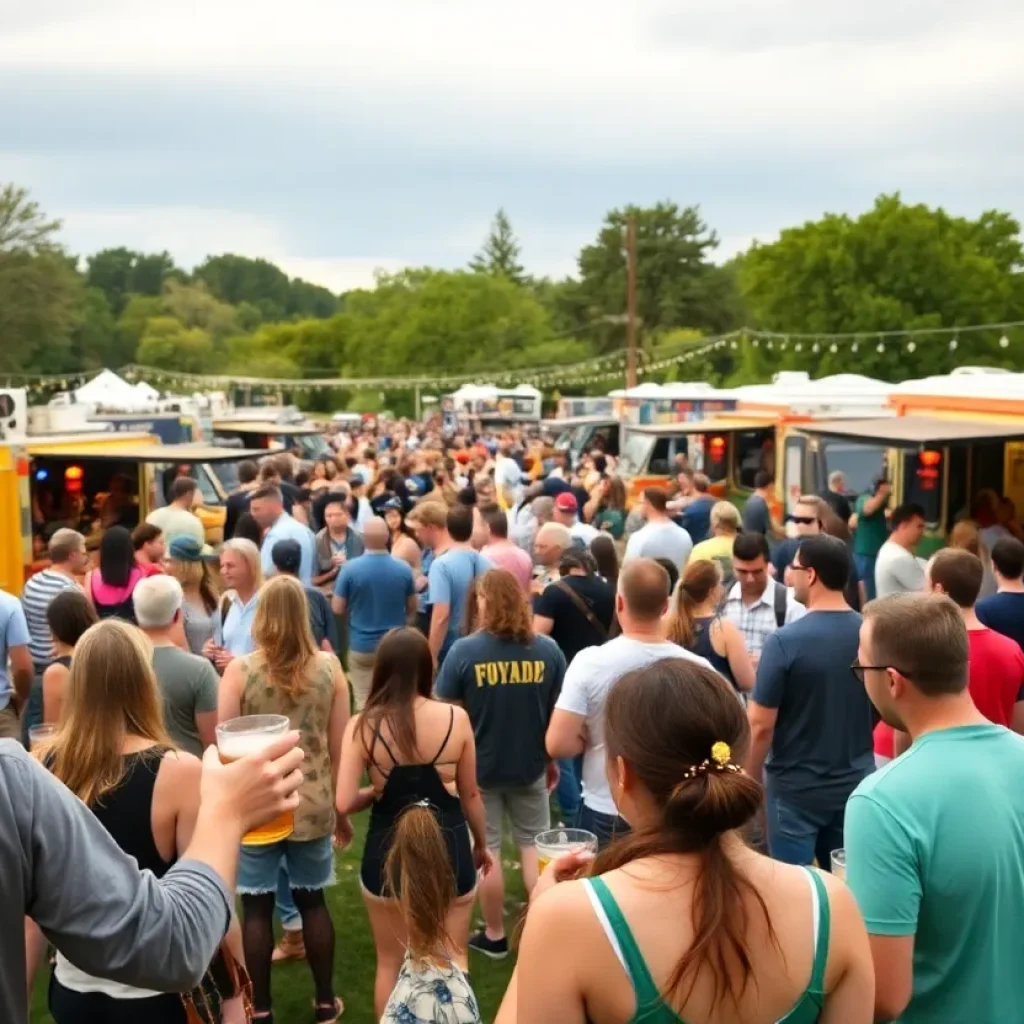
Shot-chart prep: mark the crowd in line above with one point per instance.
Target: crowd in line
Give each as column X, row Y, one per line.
column 724, row 701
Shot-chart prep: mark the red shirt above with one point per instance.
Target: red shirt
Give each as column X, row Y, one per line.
column 884, row 741
column 149, row 569
column 996, row 674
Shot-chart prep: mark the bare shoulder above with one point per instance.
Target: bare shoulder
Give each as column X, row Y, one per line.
column 179, row 776
column 565, row 905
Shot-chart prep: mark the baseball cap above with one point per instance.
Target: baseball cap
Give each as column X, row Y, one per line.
column 287, row 556
column 188, row 549
column 566, row 502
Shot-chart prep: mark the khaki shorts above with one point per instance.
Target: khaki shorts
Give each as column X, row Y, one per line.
column 528, row 809
column 10, row 724
column 360, row 676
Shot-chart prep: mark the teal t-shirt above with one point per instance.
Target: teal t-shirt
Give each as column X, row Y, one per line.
column 935, row 849
column 872, row 530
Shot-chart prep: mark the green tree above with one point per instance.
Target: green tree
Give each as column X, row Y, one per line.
column 310, row 300
column 168, row 344
column 120, row 273
column 236, row 279
column 138, row 311
column 500, row 253
column 677, row 285
column 896, row 267
column 194, row 306
column 95, row 341
column 39, row 288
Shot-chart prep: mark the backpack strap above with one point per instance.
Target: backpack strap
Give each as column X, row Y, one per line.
column 582, row 605
column 781, row 601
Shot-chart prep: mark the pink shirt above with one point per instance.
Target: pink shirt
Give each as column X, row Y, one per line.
column 513, row 559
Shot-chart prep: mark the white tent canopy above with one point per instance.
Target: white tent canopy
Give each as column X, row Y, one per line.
column 107, row 389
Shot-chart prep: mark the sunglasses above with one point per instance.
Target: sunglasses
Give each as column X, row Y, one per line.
column 858, row 670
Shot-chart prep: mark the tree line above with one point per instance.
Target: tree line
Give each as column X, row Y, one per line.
column 896, row 267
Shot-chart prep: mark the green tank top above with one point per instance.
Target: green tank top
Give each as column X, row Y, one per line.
column 651, row 1009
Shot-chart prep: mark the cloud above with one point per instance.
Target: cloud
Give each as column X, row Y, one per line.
column 343, row 136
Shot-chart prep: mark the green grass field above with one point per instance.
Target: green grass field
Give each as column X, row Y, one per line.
column 355, row 961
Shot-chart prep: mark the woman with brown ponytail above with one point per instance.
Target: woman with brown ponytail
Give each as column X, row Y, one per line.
column 680, row 922
column 431, row 987
column 693, row 622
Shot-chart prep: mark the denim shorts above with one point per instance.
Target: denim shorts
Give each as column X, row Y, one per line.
column 308, row 863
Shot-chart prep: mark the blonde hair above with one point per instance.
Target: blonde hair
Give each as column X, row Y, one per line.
column 283, row 636
column 195, row 574
column 698, row 583
column 244, row 547
column 112, row 693
column 725, row 513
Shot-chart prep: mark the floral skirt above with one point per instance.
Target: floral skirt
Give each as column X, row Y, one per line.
column 428, row 993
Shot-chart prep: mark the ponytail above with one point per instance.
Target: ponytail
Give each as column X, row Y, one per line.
column 417, row 874
column 698, row 581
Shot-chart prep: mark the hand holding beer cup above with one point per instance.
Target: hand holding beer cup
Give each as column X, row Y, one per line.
column 254, row 775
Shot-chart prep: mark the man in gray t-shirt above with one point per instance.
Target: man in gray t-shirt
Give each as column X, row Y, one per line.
column 188, row 683
column 660, row 537
column 189, row 687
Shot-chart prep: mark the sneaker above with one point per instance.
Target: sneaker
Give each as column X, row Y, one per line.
column 496, row 949
column 290, row 947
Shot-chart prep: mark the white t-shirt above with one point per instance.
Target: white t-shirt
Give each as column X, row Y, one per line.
column 583, row 532
column 897, row 571
column 663, row 539
column 586, row 685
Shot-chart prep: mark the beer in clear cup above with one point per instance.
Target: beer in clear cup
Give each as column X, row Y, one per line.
column 40, row 734
column 557, row 842
column 239, row 737
column 839, row 864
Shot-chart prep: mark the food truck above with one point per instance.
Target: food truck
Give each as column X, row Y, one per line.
column 479, row 407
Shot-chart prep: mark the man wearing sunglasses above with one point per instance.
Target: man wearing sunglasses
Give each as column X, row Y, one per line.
column 807, row 713
column 806, row 517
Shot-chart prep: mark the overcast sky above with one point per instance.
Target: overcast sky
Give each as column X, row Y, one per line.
column 338, row 136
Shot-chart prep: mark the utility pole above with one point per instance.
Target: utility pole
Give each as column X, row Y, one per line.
column 631, row 301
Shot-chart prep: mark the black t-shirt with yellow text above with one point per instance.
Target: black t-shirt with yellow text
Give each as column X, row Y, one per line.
column 509, row 690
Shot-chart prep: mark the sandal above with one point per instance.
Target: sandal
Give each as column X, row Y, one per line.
column 328, row 1013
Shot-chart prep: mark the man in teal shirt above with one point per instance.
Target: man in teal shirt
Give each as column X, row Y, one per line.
column 935, row 839
column 871, row 533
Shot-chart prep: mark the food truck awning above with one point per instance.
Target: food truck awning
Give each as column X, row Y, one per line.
column 568, row 422
column 268, row 428
column 709, row 425
column 184, row 453
column 916, row 431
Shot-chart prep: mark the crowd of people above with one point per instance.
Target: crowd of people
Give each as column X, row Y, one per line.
column 473, row 646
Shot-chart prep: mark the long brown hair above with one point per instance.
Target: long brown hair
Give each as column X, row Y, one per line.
column 698, row 583
column 112, row 693
column 614, row 497
column 195, row 574
column 506, row 612
column 283, row 636
column 662, row 721
column 417, row 874
column 402, row 671
column 966, row 536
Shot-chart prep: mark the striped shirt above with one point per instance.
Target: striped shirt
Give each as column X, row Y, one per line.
column 38, row 592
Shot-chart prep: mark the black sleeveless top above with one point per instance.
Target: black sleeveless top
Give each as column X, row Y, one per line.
column 702, row 646
column 126, row 811
column 405, row 785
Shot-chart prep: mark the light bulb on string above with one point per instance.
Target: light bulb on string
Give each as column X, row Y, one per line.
column 880, row 347
column 953, row 344
column 911, row 346
column 1004, row 342
column 833, row 348
column 815, row 347
column 798, row 346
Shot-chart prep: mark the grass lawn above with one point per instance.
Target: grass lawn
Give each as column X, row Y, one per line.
column 293, row 986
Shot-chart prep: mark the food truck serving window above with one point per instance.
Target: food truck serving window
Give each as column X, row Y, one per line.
column 922, row 482
column 753, row 450
column 634, row 454
column 716, row 457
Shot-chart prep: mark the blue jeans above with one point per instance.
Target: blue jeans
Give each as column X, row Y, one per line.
column 800, row 835
column 866, row 571
column 568, row 792
column 605, row 826
column 291, row 920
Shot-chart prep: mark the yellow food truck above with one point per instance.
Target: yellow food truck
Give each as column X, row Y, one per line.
column 91, row 481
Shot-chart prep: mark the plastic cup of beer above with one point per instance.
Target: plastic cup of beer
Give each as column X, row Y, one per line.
column 559, row 841
column 239, row 737
column 839, row 864
column 40, row 734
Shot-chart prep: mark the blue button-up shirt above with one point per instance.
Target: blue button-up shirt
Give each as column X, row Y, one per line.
column 235, row 632
column 287, row 528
